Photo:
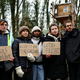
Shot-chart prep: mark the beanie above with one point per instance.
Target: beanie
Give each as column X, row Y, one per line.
column 36, row 28
column 23, row 28
column 2, row 21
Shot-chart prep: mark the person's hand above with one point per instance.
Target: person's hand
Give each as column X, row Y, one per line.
column 48, row 55
column 19, row 71
column 30, row 57
column 12, row 59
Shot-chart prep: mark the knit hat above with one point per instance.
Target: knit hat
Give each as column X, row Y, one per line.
column 35, row 28
column 2, row 21
column 23, row 28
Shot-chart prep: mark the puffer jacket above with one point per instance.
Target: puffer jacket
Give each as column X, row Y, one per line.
column 20, row 61
column 72, row 46
column 55, row 66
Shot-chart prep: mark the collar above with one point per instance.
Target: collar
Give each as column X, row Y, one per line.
column 55, row 38
column 74, row 32
column 36, row 38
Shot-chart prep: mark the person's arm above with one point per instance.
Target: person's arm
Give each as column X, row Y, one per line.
column 11, row 39
column 15, row 51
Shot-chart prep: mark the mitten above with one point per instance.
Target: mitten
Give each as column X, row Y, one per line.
column 30, row 57
column 19, row 71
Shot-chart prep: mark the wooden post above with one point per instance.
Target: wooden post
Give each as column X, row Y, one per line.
column 72, row 9
column 53, row 7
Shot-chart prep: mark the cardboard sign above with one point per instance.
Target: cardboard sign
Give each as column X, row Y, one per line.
column 25, row 48
column 5, row 53
column 51, row 47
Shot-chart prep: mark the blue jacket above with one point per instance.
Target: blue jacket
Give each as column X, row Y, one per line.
column 5, row 40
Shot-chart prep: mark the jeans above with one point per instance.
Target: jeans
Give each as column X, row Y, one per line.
column 74, row 71
column 38, row 72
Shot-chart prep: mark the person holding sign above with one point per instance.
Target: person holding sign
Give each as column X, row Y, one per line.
column 23, row 65
column 6, row 39
column 36, row 38
column 55, row 65
column 72, row 49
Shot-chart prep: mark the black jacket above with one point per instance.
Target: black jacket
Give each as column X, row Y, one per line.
column 20, row 61
column 55, row 66
column 72, row 46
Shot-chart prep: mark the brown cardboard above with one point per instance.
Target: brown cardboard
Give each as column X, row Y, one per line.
column 25, row 48
column 51, row 47
column 5, row 53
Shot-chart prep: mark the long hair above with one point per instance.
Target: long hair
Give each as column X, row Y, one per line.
column 57, row 27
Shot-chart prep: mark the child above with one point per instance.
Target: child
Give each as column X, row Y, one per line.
column 55, row 65
column 36, row 38
column 23, row 65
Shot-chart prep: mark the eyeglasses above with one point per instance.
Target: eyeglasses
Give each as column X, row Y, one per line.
column 4, row 24
column 68, row 25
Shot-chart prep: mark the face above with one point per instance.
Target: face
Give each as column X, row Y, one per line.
column 0, row 27
column 24, row 33
column 54, row 30
column 69, row 27
column 3, row 27
column 36, row 33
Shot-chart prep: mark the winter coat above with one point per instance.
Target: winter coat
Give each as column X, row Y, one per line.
column 55, row 66
column 20, row 61
column 4, row 42
column 72, row 46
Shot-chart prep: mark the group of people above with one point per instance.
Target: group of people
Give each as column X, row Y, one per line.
column 44, row 67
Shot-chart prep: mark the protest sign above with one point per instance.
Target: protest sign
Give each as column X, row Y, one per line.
column 25, row 48
column 5, row 53
column 51, row 47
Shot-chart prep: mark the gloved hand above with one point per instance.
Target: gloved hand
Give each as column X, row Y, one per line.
column 30, row 57
column 19, row 71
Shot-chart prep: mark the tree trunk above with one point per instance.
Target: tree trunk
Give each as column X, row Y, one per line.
column 12, row 6
column 47, row 13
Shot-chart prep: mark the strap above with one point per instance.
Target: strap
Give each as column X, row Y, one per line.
column 39, row 42
column 8, row 40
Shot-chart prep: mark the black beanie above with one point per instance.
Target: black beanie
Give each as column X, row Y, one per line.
column 1, row 20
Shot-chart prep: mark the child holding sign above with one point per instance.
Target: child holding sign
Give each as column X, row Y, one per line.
column 55, row 65
column 23, row 65
column 38, row 71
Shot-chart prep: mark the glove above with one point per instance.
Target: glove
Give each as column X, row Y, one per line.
column 19, row 71
column 30, row 57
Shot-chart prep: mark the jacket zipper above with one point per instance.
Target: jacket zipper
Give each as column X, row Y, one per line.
column 26, row 58
column 2, row 40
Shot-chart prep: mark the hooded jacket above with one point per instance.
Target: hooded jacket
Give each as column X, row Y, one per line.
column 38, row 40
column 6, row 39
column 72, row 46
column 55, row 66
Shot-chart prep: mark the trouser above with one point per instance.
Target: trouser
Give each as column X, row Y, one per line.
column 74, row 71
column 38, row 72
column 27, row 75
column 5, row 75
